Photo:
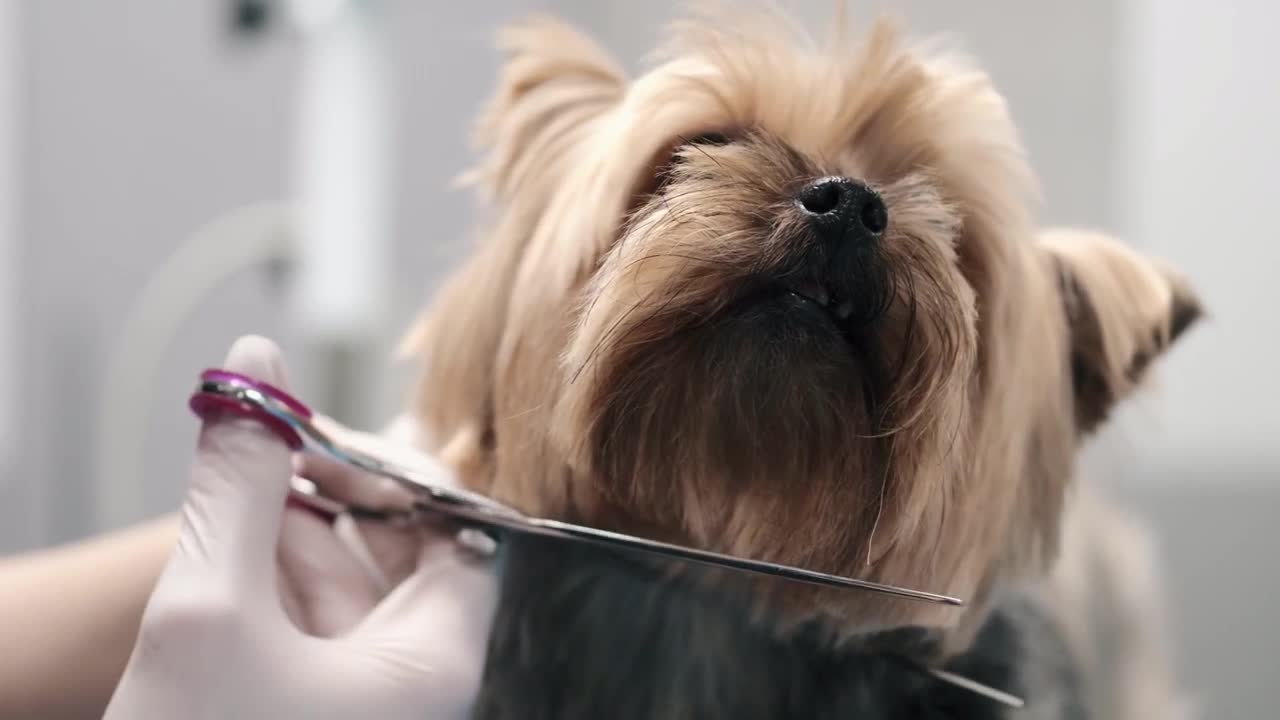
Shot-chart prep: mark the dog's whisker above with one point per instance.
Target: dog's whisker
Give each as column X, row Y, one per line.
column 609, row 335
column 525, row 412
column 604, row 338
column 677, row 256
column 875, row 524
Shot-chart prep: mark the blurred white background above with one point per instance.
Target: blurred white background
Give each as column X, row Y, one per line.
column 127, row 126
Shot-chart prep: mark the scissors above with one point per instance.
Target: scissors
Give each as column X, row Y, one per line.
column 221, row 392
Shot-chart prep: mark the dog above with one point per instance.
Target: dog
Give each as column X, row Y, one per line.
column 787, row 300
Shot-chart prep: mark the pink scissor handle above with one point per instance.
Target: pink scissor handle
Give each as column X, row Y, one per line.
column 210, row 405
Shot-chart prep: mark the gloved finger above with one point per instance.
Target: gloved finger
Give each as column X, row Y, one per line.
column 332, row 588
column 352, row 486
column 291, row 603
column 441, row 614
column 239, row 481
column 391, row 548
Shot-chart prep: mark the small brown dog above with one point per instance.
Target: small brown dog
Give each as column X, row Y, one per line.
column 786, row 302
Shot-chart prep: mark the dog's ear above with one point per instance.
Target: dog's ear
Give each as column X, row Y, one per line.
column 555, row 82
column 1123, row 310
column 553, row 88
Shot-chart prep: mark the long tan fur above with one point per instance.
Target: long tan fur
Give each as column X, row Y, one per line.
column 591, row 359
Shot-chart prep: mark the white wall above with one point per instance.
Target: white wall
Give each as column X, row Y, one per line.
column 143, row 123
column 1199, row 139
column 1201, row 112
column 10, row 70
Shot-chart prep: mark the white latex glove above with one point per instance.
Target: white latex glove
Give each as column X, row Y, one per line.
column 216, row 641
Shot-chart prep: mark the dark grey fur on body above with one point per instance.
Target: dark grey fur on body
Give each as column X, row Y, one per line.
column 585, row 633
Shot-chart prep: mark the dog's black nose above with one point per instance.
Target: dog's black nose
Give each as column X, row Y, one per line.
column 840, row 208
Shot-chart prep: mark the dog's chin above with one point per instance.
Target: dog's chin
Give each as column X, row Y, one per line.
column 807, row 335
column 804, row 308
column 784, row 317
column 781, row 337
column 807, row 311
column 765, row 406
column 822, row 316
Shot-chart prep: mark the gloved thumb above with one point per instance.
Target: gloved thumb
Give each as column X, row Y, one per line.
column 239, row 483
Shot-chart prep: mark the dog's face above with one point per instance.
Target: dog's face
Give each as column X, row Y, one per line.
column 784, row 303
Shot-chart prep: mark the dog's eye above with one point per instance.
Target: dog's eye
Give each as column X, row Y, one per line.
column 664, row 172
column 711, row 138
column 706, row 139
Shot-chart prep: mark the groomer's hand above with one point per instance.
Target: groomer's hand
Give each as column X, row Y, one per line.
column 216, row 640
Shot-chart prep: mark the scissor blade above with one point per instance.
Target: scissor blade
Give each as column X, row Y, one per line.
column 481, row 510
column 596, row 536
column 618, row 541
column 974, row 686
